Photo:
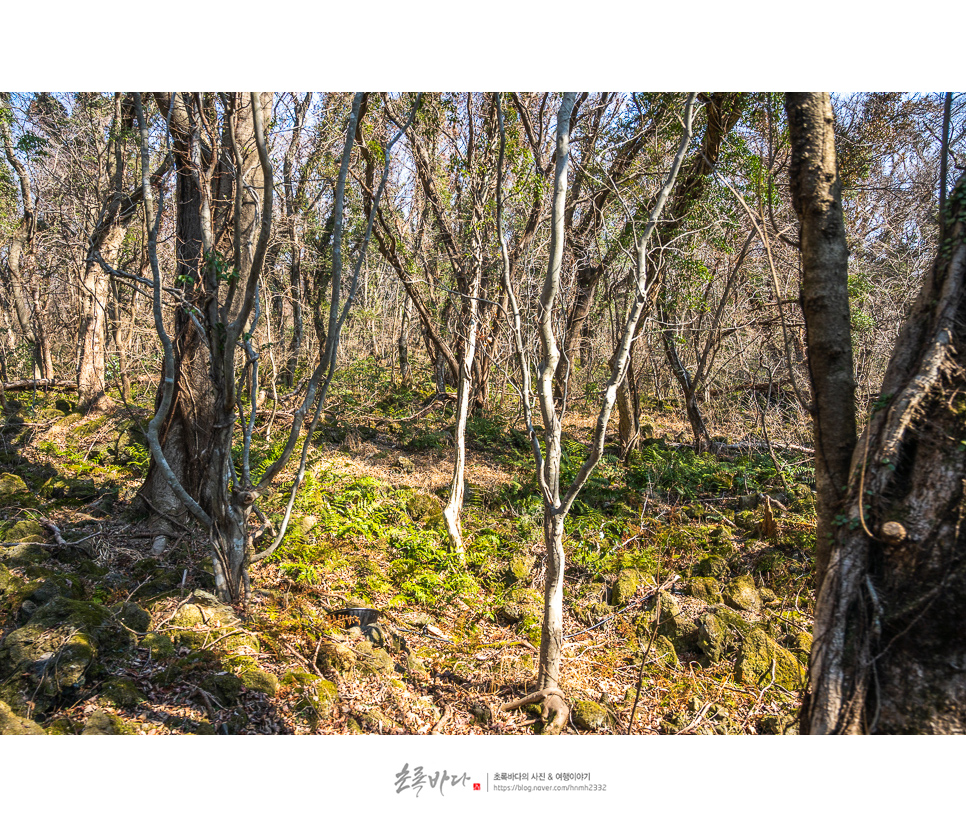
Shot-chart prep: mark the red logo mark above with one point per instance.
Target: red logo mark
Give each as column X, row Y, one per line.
column 476, row 786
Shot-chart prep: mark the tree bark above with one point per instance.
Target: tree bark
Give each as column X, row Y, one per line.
column 816, row 196
column 889, row 650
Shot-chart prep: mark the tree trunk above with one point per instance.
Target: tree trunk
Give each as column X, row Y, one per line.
column 187, row 433
column 889, row 654
column 92, row 338
column 816, row 195
column 405, row 371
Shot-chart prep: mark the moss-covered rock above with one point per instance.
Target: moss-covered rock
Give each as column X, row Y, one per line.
column 706, row 588
column 674, row 624
column 800, row 643
column 746, row 520
column 12, row 724
column 714, row 565
column 739, row 626
column 160, row 645
column 204, row 621
column 122, row 692
column 760, row 657
column 674, row 722
column 224, row 687
column 521, row 604
column 91, row 618
column 133, row 616
column 303, row 525
column 14, row 491
column 314, row 696
column 25, row 530
column 519, row 567
column 425, row 509
column 103, row 723
column 22, row 556
column 741, row 593
column 714, row 637
column 663, row 652
column 14, row 591
column 50, row 656
column 63, row 727
column 252, row 676
column 372, row 661
column 336, row 658
column 591, row 716
column 624, row 588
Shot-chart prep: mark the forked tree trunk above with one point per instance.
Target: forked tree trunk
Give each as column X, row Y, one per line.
column 889, row 652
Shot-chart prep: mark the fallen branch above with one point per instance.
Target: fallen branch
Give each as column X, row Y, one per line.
column 30, row 384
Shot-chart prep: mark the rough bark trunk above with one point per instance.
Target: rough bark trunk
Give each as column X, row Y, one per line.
column 186, row 434
column 889, row 652
column 816, row 196
column 92, row 338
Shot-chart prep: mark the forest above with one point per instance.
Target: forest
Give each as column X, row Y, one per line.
column 482, row 413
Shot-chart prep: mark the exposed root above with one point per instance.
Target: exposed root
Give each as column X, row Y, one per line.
column 552, row 703
column 438, row 726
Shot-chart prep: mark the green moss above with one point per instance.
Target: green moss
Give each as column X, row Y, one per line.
column 103, row 723
column 521, row 604
column 14, row 491
column 23, row 555
column 706, row 588
column 624, row 588
column 13, row 725
column 591, row 716
column 251, row 676
column 224, row 686
column 25, row 530
column 372, row 661
column 93, row 619
column 714, row 566
column 426, row 509
column 714, row 637
column 761, row 660
column 663, row 652
column 133, row 616
column 741, row 593
column 89, row 427
column 314, row 696
column 519, row 567
column 337, row 658
column 63, row 727
column 159, row 644
column 122, row 692
column 733, row 620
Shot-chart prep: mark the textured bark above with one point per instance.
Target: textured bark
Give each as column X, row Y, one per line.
column 889, row 654
column 92, row 337
column 186, row 434
column 816, row 196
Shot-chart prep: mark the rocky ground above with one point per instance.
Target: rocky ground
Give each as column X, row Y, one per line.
column 687, row 593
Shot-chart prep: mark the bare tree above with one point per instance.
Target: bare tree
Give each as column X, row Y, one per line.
column 557, row 498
